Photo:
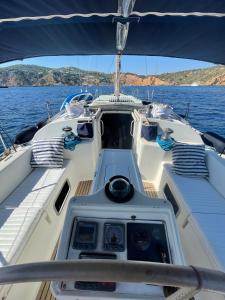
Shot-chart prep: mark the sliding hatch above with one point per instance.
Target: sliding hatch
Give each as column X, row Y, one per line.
column 116, row 130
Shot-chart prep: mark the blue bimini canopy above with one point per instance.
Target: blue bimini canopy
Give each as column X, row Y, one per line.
column 176, row 28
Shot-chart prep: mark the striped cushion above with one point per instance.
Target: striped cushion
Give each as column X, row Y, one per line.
column 189, row 160
column 47, row 153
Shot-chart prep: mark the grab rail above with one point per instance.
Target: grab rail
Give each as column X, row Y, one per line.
column 132, row 128
column 3, row 143
column 102, row 127
column 194, row 278
column 7, row 145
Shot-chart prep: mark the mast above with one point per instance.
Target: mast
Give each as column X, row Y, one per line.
column 125, row 8
column 117, row 75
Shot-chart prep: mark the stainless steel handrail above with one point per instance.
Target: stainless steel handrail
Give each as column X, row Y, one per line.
column 3, row 142
column 116, row 271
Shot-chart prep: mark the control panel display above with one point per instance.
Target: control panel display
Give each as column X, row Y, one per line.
column 96, row 286
column 114, row 237
column 85, row 235
column 147, row 242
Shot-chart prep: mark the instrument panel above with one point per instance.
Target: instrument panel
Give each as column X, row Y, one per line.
column 141, row 241
column 86, row 235
column 98, row 230
column 114, row 237
column 96, row 286
column 123, row 240
column 147, row 242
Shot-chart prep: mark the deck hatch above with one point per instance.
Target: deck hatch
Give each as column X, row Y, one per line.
column 62, row 196
column 170, row 197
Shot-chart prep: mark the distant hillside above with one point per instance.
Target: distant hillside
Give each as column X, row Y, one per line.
column 133, row 79
column 31, row 75
column 23, row 75
column 208, row 76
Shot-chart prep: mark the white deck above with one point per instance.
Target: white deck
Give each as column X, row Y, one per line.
column 202, row 208
column 21, row 210
column 114, row 162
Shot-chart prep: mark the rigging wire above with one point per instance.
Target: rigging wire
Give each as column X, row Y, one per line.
column 78, row 72
column 89, row 63
column 98, row 82
column 110, row 70
column 147, row 72
column 3, row 131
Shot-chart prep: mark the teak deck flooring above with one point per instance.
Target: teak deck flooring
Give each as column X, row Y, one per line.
column 44, row 292
column 83, row 188
column 149, row 189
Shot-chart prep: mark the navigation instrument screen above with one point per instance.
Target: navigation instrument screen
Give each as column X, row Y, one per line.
column 94, row 285
column 114, row 237
column 85, row 236
column 147, row 242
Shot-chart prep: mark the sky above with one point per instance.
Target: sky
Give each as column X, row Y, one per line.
column 105, row 63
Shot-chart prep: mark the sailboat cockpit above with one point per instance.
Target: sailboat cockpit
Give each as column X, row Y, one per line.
column 115, row 198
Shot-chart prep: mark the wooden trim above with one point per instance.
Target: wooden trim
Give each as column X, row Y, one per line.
column 83, row 188
column 45, row 292
column 149, row 189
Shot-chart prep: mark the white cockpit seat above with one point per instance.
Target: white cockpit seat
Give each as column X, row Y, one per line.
column 198, row 200
column 16, row 227
column 199, row 195
column 212, row 228
column 21, row 210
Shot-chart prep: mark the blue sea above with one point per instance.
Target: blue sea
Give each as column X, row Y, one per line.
column 22, row 107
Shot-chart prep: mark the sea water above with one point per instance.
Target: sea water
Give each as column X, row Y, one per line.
column 22, row 107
